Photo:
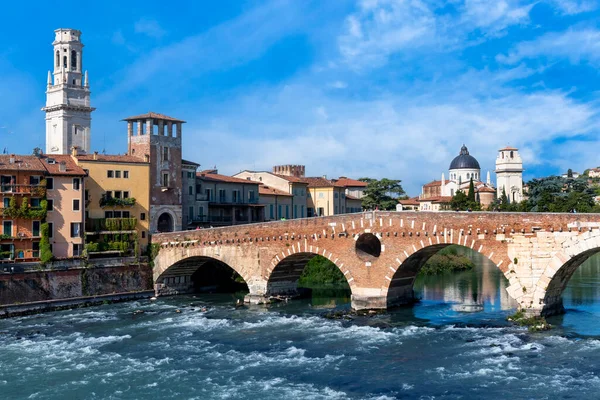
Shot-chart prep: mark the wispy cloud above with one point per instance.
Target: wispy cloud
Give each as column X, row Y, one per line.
column 395, row 135
column 575, row 45
column 229, row 44
column 382, row 28
column 149, row 27
column 571, row 7
column 495, row 16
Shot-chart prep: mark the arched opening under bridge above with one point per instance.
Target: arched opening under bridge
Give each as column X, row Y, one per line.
column 450, row 279
column 201, row 274
column 309, row 275
column 575, row 285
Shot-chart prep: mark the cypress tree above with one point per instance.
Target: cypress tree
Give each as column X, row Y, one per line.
column 471, row 194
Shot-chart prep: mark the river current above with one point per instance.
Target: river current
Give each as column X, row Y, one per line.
column 455, row 343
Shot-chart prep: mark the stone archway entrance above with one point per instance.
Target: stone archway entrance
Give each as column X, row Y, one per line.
column 165, row 223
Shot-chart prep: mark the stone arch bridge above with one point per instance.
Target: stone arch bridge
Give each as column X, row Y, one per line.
column 380, row 253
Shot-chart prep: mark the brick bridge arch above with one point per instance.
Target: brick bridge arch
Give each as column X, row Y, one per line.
column 525, row 246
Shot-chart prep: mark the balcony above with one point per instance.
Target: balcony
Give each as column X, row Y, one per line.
column 201, row 197
column 225, row 201
column 110, row 224
column 106, row 201
column 33, row 190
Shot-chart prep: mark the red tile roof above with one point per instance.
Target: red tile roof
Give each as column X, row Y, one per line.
column 410, row 202
column 485, row 189
column 288, row 178
column 110, row 158
column 152, row 115
column 433, row 183
column 347, row 182
column 320, row 182
column 71, row 167
column 438, row 199
column 212, row 177
column 21, row 163
column 267, row 190
column 509, row 148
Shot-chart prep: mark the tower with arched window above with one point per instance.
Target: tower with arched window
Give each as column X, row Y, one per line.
column 68, row 110
column 509, row 174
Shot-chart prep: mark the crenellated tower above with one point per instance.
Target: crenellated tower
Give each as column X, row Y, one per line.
column 68, row 110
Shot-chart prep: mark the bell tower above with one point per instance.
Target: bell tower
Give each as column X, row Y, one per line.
column 68, row 111
column 509, row 174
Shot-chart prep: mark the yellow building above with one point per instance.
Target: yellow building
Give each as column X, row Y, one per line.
column 325, row 197
column 117, row 191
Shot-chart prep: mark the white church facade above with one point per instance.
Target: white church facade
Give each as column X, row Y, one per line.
column 68, row 109
column 437, row 195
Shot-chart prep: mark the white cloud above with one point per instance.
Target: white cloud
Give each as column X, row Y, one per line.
column 149, row 27
column 395, row 136
column 575, row 45
column 338, row 85
column 495, row 16
column 224, row 46
column 381, row 28
column 570, row 7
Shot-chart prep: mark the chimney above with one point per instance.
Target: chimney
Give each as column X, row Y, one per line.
column 11, row 160
column 74, row 151
column 62, row 167
column 95, row 155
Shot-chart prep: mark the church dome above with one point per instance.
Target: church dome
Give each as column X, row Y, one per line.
column 464, row 160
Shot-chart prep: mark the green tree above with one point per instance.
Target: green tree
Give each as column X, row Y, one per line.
column 381, row 194
column 460, row 201
column 45, row 252
column 558, row 194
column 471, row 193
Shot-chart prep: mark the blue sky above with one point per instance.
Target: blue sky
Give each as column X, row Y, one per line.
column 379, row 88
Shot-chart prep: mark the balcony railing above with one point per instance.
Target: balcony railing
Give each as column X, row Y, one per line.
column 241, row 202
column 201, row 197
column 34, row 190
column 110, row 224
column 106, row 201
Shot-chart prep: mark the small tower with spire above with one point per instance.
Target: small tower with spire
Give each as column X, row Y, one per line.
column 68, row 110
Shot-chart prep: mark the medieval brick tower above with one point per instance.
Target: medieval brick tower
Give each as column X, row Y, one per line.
column 157, row 138
column 68, row 111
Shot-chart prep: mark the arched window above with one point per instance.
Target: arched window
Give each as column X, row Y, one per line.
column 64, row 61
column 502, row 154
column 511, row 154
column 57, row 58
column 73, row 59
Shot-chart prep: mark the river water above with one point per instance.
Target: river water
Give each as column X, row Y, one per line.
column 453, row 344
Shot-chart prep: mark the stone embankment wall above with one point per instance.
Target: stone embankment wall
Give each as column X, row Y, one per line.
column 77, row 279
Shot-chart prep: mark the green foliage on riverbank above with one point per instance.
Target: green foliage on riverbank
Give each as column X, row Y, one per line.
column 320, row 270
column 534, row 324
column 448, row 259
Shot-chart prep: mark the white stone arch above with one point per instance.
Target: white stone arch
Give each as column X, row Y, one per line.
column 547, row 295
column 400, row 278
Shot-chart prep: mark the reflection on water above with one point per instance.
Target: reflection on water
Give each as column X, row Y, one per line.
column 452, row 297
column 581, row 301
column 479, row 296
column 482, row 288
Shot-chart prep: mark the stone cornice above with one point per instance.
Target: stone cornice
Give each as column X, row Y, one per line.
column 68, row 107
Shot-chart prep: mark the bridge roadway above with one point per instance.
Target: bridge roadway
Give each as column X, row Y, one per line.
column 380, row 253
